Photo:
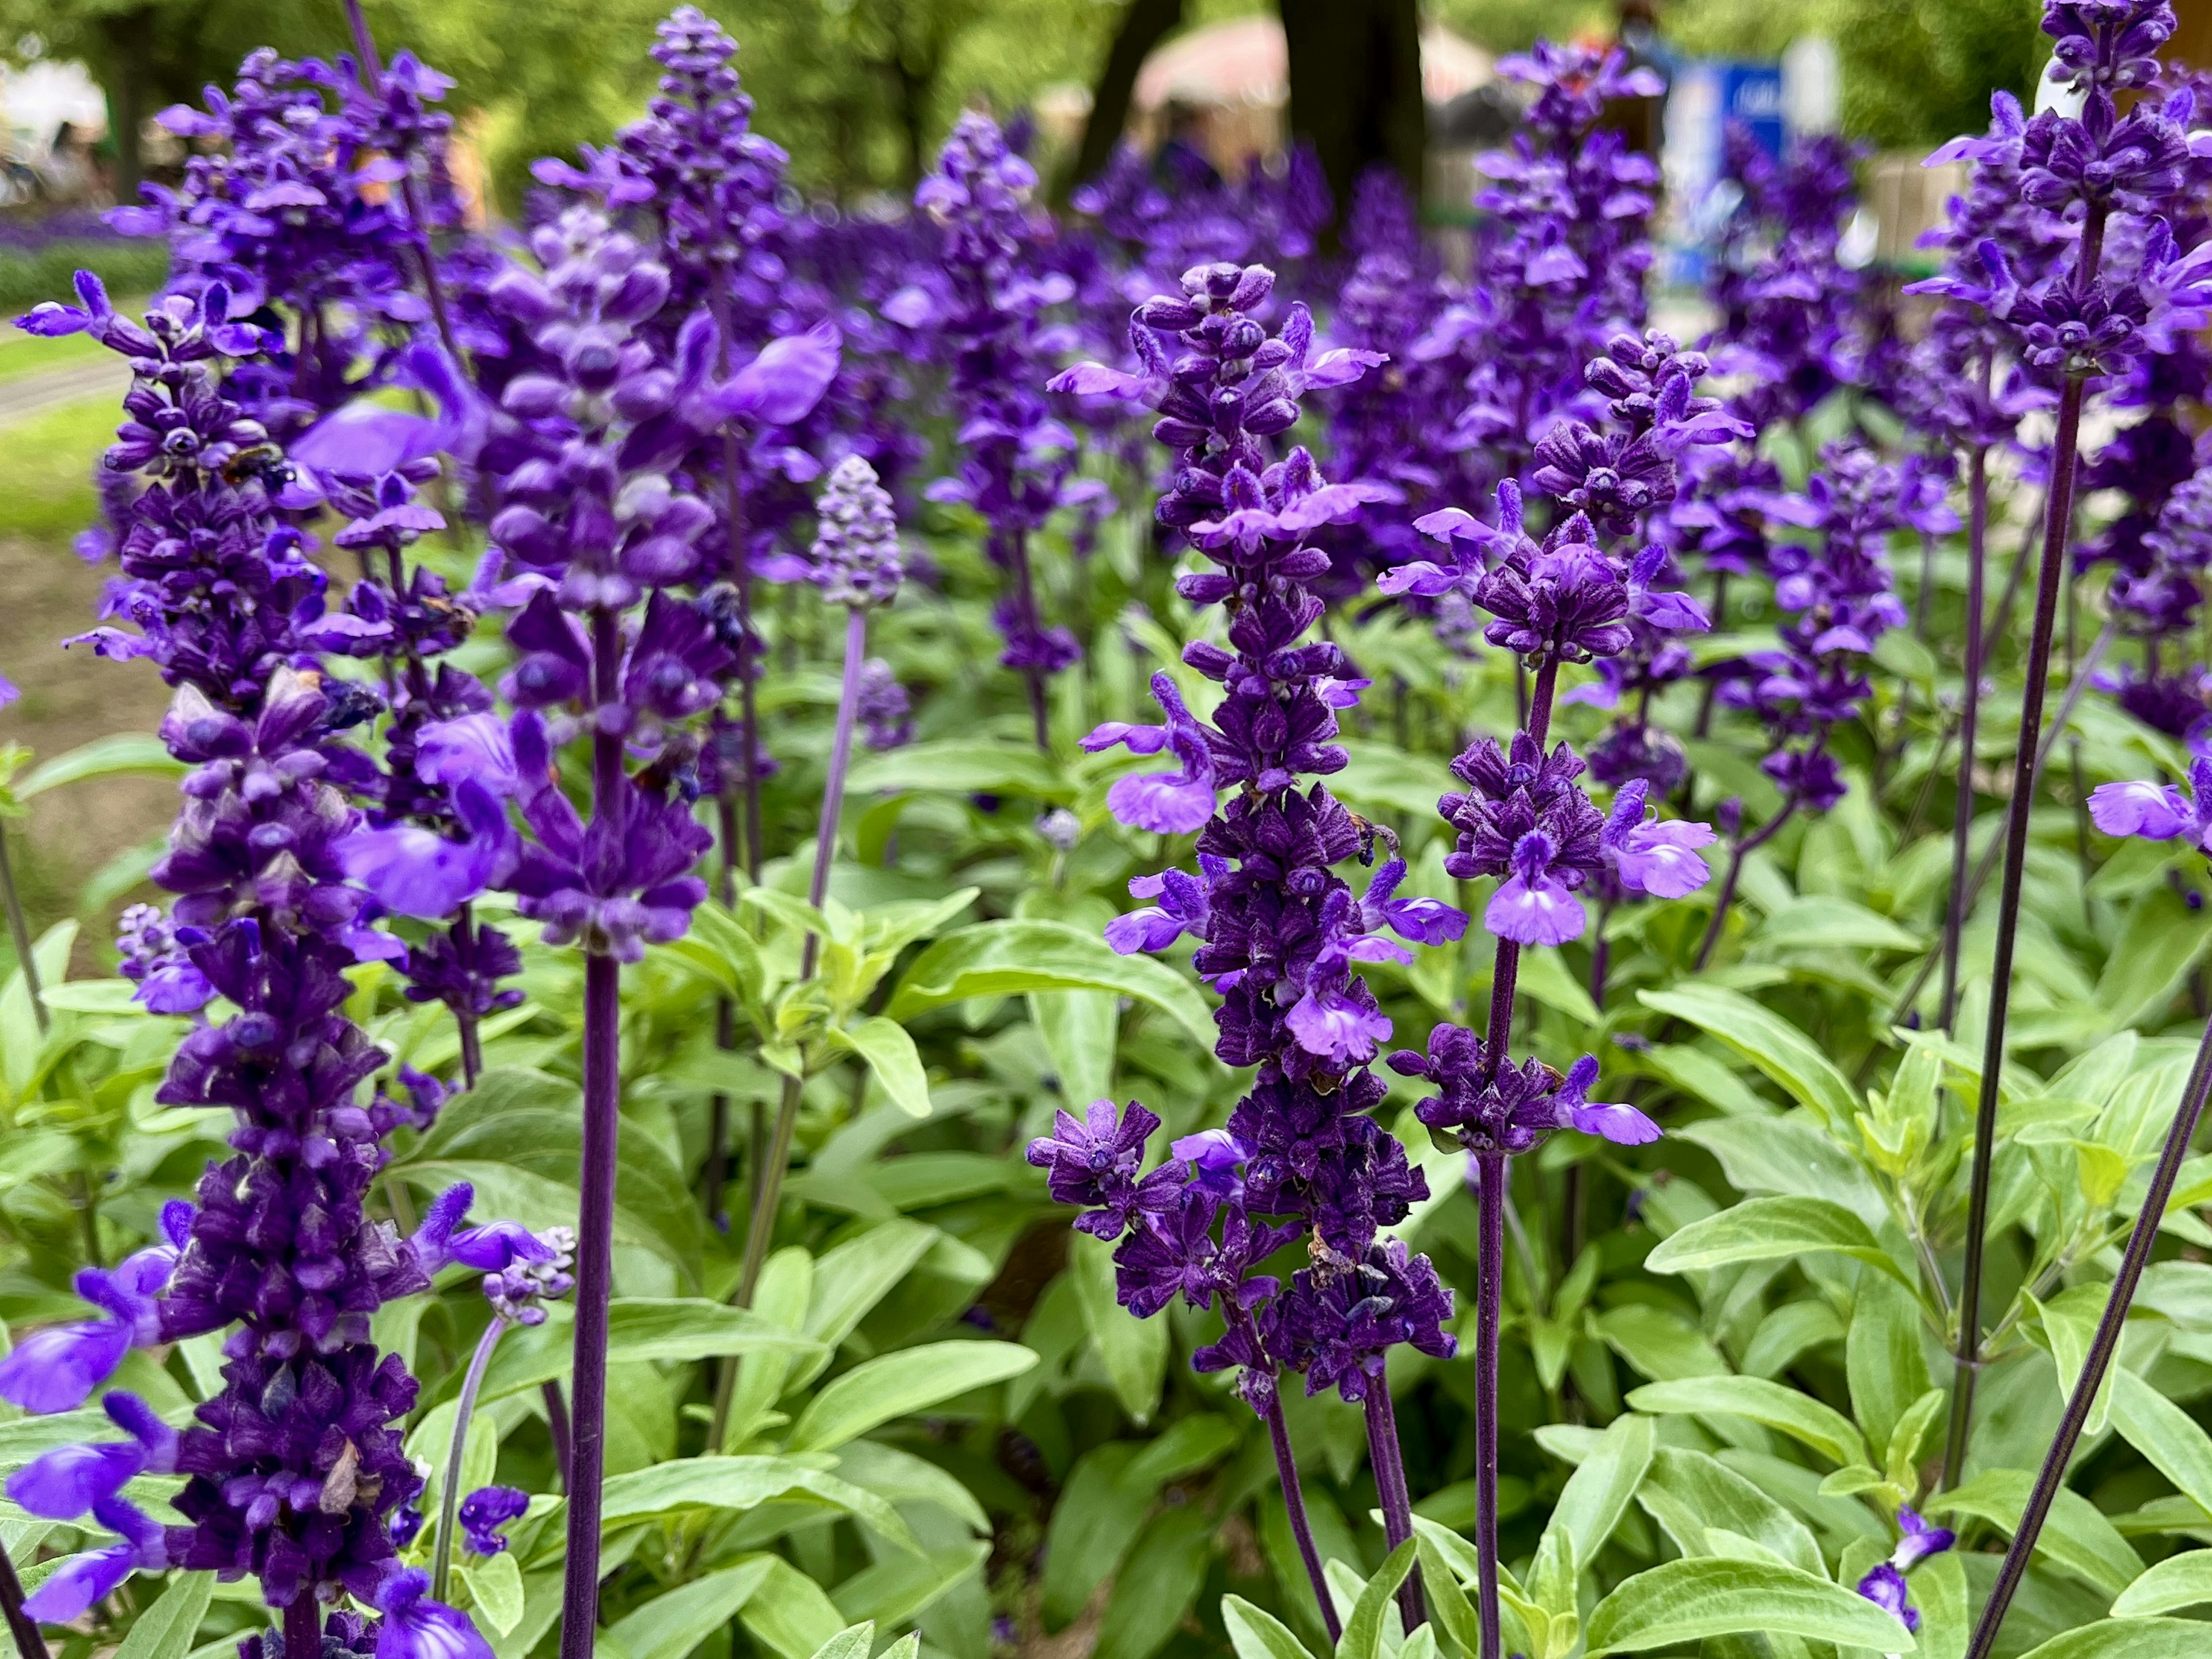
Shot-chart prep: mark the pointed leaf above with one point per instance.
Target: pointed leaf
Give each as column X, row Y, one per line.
column 1689, row 1600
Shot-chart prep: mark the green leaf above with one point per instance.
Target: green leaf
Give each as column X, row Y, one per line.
column 127, row 754
column 495, row 1586
column 1883, row 1358
column 1159, row 1584
column 900, row 1477
column 1768, row 1230
column 960, row 767
column 897, row 1588
column 2128, row 1638
column 167, row 1630
column 671, row 1329
column 1006, row 959
column 743, row 1483
column 1823, row 1428
column 1767, row 1040
column 1691, row 1495
column 1660, row 1343
column 894, row 1385
column 2075, row 1536
column 1255, row 1633
column 1092, row 1526
column 851, row 1644
column 1447, row 1602
column 1597, row 1493
column 789, row 1615
column 1080, row 1029
column 2161, row 940
column 1135, row 1351
column 852, row 1277
column 2179, row 1581
column 1690, row 1600
column 1362, row 1631
column 1544, row 976
column 1821, row 921
column 891, row 1056
column 2177, row 1448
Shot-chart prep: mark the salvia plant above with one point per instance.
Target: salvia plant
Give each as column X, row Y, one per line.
column 1187, row 927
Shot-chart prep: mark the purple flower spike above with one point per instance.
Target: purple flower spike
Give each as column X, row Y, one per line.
column 485, row 1511
column 1165, row 803
column 1651, row 857
column 415, row 1627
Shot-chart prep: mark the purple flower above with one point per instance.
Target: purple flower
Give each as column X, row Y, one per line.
column 67, row 1481
column 414, row 871
column 1341, row 1317
column 415, row 1627
column 2156, row 812
column 1623, row 1124
column 84, row 1581
column 1094, row 1161
column 1920, row 1540
column 485, row 1511
column 1533, row 905
column 1885, row 1587
column 57, row 1369
column 1181, row 908
column 856, row 546
column 1652, row 857
column 1491, row 1104
column 1165, row 803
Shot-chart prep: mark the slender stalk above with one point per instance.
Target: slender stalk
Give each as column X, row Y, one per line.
column 449, row 1492
column 761, row 1225
column 303, row 1626
column 1025, row 602
column 2102, row 1347
column 556, row 1425
column 20, row 931
column 1492, row 1173
column 580, row 1593
column 2058, row 513
column 1986, row 865
column 464, row 953
column 1962, row 816
column 1389, row 1461
column 1286, row 1470
column 30, row 1644
column 1743, row 850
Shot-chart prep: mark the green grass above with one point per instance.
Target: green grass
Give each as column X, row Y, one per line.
column 49, row 495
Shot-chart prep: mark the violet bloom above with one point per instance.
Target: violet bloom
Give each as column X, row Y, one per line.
column 82, row 1581
column 415, row 1627
column 1527, row 820
column 1094, row 1161
column 64, row 1483
column 1648, row 856
column 2156, row 812
column 1348, row 1315
column 885, row 714
column 56, row 1368
column 152, row 957
column 485, row 1511
column 1166, row 803
column 1506, row 1108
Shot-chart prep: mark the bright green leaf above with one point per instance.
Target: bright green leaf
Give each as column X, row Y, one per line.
column 894, row 1385
column 1689, row 1600
column 1823, row 1428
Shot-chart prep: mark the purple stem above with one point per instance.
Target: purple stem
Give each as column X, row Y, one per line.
column 2102, row 1347
column 1491, row 1177
column 1743, row 850
column 1286, row 1470
column 579, row 1592
column 464, row 953
column 762, row 1223
column 303, row 1625
column 29, row 1643
column 1962, row 819
column 2058, row 514
column 1018, row 556
column 1397, row 1503
column 449, row 1494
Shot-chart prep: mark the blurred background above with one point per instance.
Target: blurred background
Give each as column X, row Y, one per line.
column 861, row 92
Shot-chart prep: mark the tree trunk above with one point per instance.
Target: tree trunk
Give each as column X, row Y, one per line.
column 1143, row 25
column 1356, row 88
column 129, row 38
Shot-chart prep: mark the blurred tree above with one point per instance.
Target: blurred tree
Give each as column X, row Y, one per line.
column 1145, row 24
column 1356, row 88
column 1916, row 72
